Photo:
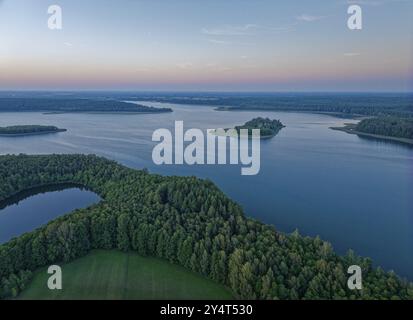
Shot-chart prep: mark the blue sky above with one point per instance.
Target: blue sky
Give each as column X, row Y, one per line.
column 231, row 45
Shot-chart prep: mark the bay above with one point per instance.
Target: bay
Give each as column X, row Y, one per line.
column 33, row 208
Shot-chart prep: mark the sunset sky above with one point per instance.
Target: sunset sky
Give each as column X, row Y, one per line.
column 231, row 45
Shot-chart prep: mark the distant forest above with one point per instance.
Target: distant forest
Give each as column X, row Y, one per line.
column 38, row 104
column 345, row 104
column 341, row 104
column 387, row 126
column 185, row 220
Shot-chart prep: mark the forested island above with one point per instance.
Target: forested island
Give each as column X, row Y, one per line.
column 184, row 220
column 268, row 128
column 77, row 105
column 390, row 128
column 26, row 130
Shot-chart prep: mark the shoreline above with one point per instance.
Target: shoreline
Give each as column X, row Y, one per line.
column 106, row 112
column 349, row 128
column 103, row 168
column 38, row 189
column 31, row 133
column 333, row 114
column 214, row 133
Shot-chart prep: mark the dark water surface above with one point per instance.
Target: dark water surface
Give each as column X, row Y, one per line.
column 33, row 208
column 354, row 192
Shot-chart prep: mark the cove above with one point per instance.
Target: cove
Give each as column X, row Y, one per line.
column 32, row 208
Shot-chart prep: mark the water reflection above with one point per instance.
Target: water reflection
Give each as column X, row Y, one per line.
column 35, row 207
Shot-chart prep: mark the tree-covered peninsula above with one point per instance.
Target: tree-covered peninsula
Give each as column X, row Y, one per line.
column 185, row 220
column 77, row 105
column 391, row 128
column 28, row 130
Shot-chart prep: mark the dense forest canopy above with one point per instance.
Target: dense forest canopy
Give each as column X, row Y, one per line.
column 185, row 220
column 267, row 126
column 387, row 126
column 27, row 129
column 53, row 104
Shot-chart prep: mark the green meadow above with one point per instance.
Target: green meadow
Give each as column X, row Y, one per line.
column 117, row 275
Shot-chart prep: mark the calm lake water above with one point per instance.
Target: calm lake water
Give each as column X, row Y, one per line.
column 354, row 192
column 34, row 208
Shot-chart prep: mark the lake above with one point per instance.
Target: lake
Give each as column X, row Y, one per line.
column 33, row 208
column 354, row 192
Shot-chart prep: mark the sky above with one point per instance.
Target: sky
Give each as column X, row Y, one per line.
column 206, row 45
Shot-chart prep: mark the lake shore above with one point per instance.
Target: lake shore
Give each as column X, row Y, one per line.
column 31, row 133
column 333, row 114
column 350, row 129
column 226, row 134
column 288, row 162
column 107, row 112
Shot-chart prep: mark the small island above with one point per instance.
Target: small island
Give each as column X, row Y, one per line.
column 268, row 128
column 26, row 130
column 387, row 128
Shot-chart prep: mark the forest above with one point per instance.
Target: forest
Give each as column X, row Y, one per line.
column 387, row 126
column 268, row 127
column 28, row 129
column 185, row 220
column 64, row 105
column 340, row 104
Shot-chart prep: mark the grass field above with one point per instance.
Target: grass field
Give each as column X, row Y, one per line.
column 117, row 275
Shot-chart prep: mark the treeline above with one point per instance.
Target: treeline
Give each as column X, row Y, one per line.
column 185, row 220
column 37, row 104
column 267, row 126
column 387, row 126
column 25, row 129
column 345, row 104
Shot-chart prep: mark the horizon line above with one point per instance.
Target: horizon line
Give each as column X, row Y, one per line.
column 198, row 91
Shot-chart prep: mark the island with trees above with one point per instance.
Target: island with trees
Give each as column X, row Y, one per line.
column 385, row 127
column 73, row 105
column 268, row 128
column 186, row 221
column 26, row 130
